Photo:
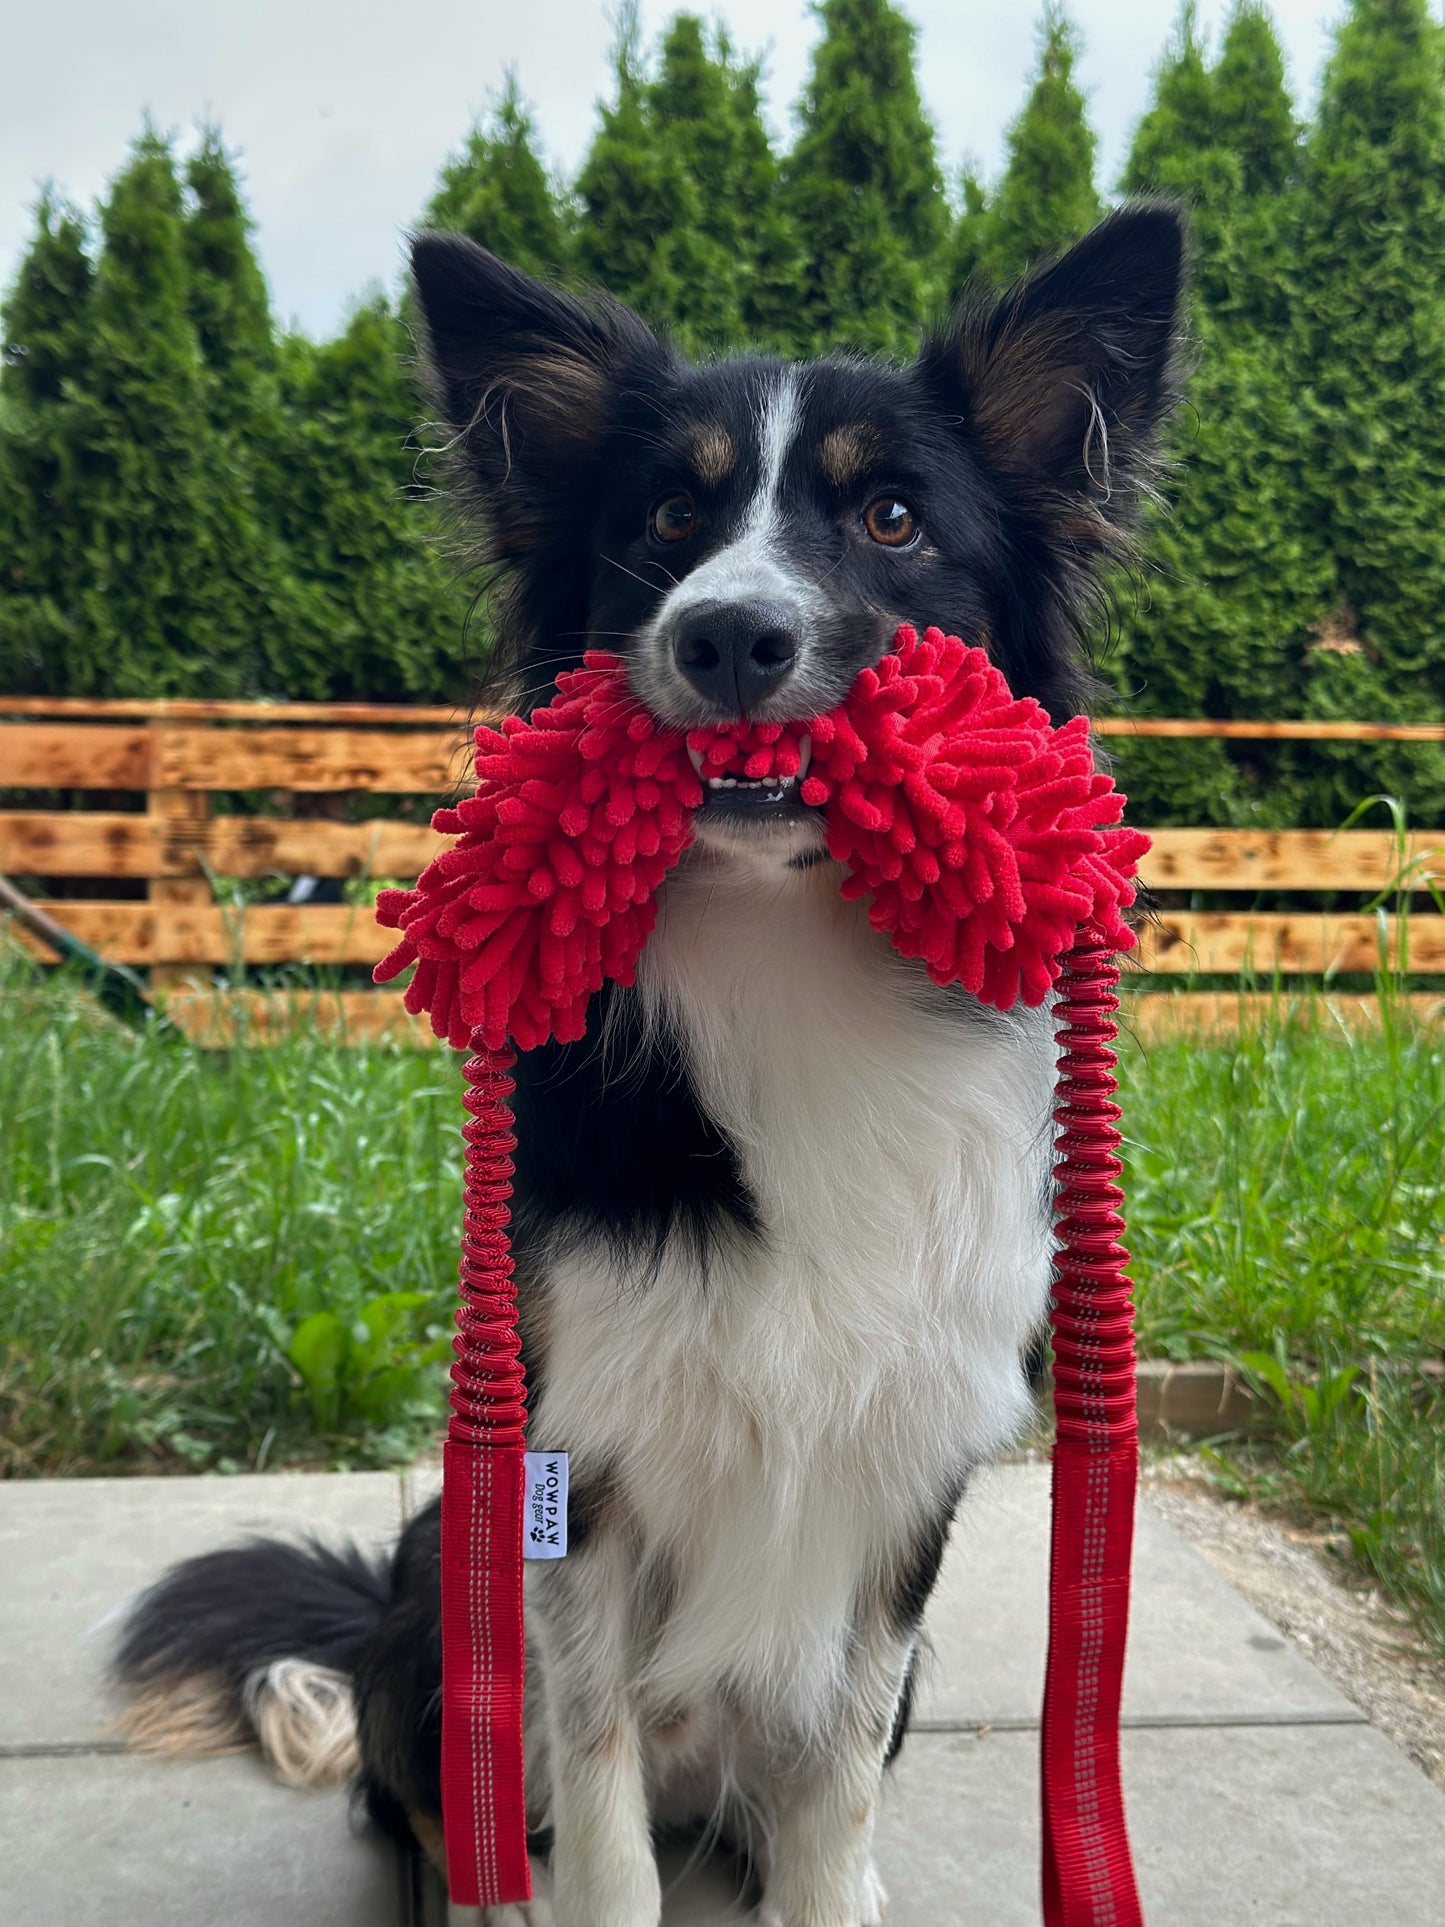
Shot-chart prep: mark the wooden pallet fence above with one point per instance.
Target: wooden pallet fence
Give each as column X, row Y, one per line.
column 176, row 758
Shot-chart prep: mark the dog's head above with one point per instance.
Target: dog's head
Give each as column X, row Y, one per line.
column 749, row 534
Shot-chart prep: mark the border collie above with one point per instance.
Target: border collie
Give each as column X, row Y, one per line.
column 783, row 1218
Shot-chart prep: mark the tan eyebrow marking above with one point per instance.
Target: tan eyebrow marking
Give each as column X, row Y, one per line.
column 713, row 455
column 847, row 452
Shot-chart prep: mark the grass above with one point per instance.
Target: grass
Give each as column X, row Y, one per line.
column 232, row 1260
column 174, row 1223
column 1286, row 1203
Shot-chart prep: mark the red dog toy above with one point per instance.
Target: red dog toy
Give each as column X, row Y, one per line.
column 989, row 847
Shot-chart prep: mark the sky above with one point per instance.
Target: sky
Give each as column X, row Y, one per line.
column 343, row 110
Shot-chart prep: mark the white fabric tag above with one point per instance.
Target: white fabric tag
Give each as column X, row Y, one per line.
column 544, row 1512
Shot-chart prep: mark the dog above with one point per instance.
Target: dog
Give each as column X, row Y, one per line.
column 782, row 1220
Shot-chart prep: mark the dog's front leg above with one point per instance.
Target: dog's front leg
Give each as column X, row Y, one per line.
column 604, row 1872
column 820, row 1867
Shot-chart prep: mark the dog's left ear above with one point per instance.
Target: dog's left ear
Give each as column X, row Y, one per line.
column 1063, row 382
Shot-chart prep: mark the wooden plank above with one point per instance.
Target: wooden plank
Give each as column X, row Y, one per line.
column 222, row 1018
column 144, row 933
column 181, row 818
column 432, row 762
column 192, row 709
column 1187, row 942
column 77, row 843
column 101, row 843
column 254, row 846
column 74, row 756
column 1158, row 1016
column 1287, row 859
column 198, row 710
column 1245, row 731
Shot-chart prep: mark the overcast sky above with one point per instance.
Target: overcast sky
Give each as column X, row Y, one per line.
column 344, row 109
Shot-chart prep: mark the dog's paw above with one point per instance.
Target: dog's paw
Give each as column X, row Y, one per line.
column 872, row 1904
column 536, row 1912
column 875, row 1898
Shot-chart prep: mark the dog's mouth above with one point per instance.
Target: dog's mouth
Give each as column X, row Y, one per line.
column 751, row 771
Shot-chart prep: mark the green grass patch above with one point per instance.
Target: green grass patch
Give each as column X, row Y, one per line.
column 227, row 1260
column 217, row 1259
column 1286, row 1204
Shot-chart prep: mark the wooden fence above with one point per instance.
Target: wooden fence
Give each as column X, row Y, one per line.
column 159, row 767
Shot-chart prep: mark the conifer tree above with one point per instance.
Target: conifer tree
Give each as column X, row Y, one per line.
column 1372, row 353
column 680, row 212
column 229, row 305
column 497, row 191
column 1047, row 197
column 1165, row 155
column 378, row 616
column 862, row 184
column 179, row 598
column 640, row 206
column 707, row 108
column 1253, row 114
column 970, row 232
column 1239, row 572
column 44, row 506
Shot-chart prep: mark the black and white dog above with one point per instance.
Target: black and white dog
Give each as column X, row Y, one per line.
column 783, row 1219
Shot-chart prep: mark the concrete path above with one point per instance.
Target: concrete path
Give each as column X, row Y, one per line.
column 1257, row 1793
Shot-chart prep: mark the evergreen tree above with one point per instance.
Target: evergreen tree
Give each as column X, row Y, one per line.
column 1239, row 571
column 707, row 107
column 378, row 617
column 862, row 184
column 229, row 305
column 497, row 191
column 178, row 597
column 640, row 206
column 1254, row 117
column 1178, row 128
column 681, row 214
column 970, row 232
column 1047, row 197
column 1371, row 352
column 44, row 508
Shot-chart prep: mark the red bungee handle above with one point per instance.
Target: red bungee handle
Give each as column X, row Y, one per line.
column 1088, row 1874
column 484, row 1807
column 1088, row 1877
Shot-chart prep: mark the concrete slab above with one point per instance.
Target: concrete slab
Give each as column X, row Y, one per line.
column 1197, row 1651
column 108, row 1841
column 74, row 1551
column 1280, row 1826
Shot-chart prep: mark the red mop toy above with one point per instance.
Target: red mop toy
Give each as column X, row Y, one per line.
column 987, row 846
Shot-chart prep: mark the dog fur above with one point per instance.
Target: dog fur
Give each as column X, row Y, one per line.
column 782, row 1220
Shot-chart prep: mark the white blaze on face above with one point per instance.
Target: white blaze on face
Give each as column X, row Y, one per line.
column 752, row 567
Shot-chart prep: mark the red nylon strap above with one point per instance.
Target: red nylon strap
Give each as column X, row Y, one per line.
column 484, row 1809
column 1088, row 1875
column 1088, row 1878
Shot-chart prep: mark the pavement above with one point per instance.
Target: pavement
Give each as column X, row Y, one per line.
column 1256, row 1792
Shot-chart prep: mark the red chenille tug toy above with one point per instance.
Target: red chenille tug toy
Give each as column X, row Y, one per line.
column 990, row 848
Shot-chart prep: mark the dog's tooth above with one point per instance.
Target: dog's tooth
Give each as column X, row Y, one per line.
column 714, row 782
column 805, row 757
column 694, row 756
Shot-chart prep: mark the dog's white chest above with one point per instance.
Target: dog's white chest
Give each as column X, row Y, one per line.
column 782, row 1424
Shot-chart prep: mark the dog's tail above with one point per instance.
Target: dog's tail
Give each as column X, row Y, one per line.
column 254, row 1644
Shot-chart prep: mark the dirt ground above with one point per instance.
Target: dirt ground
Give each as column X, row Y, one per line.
column 1329, row 1609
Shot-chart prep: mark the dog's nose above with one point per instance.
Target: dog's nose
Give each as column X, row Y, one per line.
column 736, row 653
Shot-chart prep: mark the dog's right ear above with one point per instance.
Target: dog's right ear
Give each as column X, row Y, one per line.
column 525, row 377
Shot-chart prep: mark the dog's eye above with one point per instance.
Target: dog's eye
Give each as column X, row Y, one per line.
column 674, row 519
column 892, row 523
